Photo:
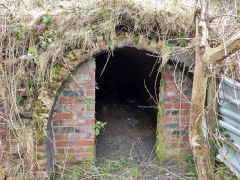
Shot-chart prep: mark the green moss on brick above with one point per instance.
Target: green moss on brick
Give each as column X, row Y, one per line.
column 40, row 156
column 160, row 146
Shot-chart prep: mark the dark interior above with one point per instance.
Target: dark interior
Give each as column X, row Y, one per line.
column 124, row 103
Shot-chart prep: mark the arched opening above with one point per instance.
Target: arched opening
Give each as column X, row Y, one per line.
column 124, row 81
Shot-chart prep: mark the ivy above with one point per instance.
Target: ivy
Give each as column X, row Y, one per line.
column 98, row 126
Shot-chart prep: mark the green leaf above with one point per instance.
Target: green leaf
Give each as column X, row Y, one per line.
column 50, row 40
column 182, row 42
column 41, row 38
column 122, row 159
column 61, row 6
column 32, row 49
column 30, row 55
column 137, row 40
column 227, row 136
column 49, row 10
column 97, row 132
column 94, row 26
column 15, row 31
column 46, row 19
column 44, row 43
column 46, row 32
column 31, row 90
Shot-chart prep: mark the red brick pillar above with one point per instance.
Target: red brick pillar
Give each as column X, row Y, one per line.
column 73, row 121
column 174, row 119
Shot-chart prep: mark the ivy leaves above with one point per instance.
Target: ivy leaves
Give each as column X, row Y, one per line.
column 98, row 126
column 41, row 41
column 46, row 19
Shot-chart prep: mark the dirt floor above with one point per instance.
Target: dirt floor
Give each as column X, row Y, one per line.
column 128, row 140
column 129, row 132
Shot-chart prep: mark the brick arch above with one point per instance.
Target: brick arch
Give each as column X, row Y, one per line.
column 76, row 62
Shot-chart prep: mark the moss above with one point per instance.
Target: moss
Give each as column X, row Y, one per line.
column 160, row 146
column 162, row 81
column 39, row 125
column 40, row 156
column 92, row 149
column 53, row 86
column 38, row 104
column 40, row 140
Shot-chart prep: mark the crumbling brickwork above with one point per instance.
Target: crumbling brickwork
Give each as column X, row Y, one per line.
column 176, row 90
column 74, row 115
column 73, row 119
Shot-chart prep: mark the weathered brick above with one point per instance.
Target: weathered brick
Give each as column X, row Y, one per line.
column 73, row 122
column 65, row 143
column 71, row 93
column 58, row 123
column 167, row 112
column 175, row 112
column 63, row 130
column 169, row 92
column 90, row 122
column 90, row 93
column 77, row 108
column 89, row 149
column 66, row 101
column 59, row 137
column 179, row 132
column 80, row 100
column 186, row 112
column 76, row 136
column 80, row 115
column 185, row 138
column 167, row 132
column 168, row 105
column 91, row 107
column 90, row 135
column 171, row 125
column 178, row 145
column 170, row 84
column 181, row 106
column 60, row 150
column 84, row 76
column 89, row 114
column 168, row 70
column 85, row 142
column 174, row 99
column 74, row 150
column 59, row 116
column 167, row 119
column 168, row 77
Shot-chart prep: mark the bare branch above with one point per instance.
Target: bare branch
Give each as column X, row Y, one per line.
column 217, row 54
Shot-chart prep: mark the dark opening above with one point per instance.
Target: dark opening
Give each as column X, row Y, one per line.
column 124, row 103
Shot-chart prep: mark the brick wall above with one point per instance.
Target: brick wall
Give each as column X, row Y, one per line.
column 73, row 119
column 176, row 112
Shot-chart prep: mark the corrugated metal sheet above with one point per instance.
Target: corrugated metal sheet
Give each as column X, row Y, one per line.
column 229, row 107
